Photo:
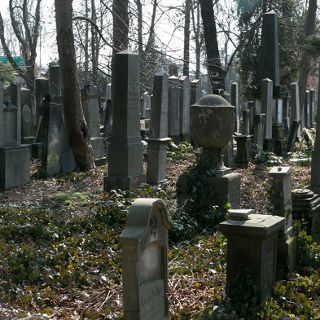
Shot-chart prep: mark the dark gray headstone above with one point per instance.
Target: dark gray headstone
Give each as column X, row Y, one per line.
column 174, row 109
column 27, row 123
column 235, row 103
column 266, row 106
column 196, row 91
column 185, row 107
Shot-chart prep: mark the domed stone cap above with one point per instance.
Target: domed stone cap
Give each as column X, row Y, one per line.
column 213, row 100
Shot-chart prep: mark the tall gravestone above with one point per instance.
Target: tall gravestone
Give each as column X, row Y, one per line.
column 57, row 155
column 266, row 108
column 41, row 90
column 286, row 111
column 174, row 109
column 144, row 243
column 235, row 103
column 312, row 109
column 196, row 91
column 14, row 157
column 307, row 121
column 282, row 205
column 259, row 131
column 125, row 154
column 158, row 142
column 295, row 106
column 185, row 107
column 90, row 105
column 27, row 123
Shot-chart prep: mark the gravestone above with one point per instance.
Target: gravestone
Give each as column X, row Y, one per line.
column 185, row 108
column 251, row 252
column 244, row 146
column 27, row 123
column 266, row 108
column 57, row 155
column 312, row 109
column 293, row 135
column 259, row 131
column 125, row 154
column 245, row 122
column 144, row 242
column 90, row 105
column 55, row 83
column 306, row 207
column 174, row 109
column 250, row 107
column 145, row 109
column 107, row 127
column 269, row 57
column 41, row 90
column 295, row 102
column 286, row 112
column 14, row 157
column 282, row 206
column 235, row 103
column 196, row 91
column 158, row 142
column 307, row 112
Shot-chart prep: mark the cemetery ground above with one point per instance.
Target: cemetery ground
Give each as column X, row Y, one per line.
column 60, row 252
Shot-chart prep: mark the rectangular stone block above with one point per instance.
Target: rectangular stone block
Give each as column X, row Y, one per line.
column 14, row 166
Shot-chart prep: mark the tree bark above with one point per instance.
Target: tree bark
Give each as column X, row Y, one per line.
column 74, row 118
column 305, row 61
column 216, row 74
column 315, row 162
column 186, row 48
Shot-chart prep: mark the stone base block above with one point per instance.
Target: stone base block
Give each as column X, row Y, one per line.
column 123, row 183
column 156, row 160
column 14, row 166
column 98, row 147
column 286, row 256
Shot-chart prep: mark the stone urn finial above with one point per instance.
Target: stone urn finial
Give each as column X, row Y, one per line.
column 212, row 126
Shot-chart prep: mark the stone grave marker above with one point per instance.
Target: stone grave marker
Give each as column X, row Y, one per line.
column 27, row 123
column 174, row 109
column 90, row 105
column 158, row 142
column 295, row 105
column 312, row 109
column 245, row 122
column 55, row 83
column 125, row 154
column 41, row 90
column 196, row 91
column 282, row 205
column 185, row 107
column 286, row 111
column 14, row 157
column 251, row 251
column 266, row 107
column 307, row 110
column 293, row 135
column 144, row 242
column 235, row 103
column 258, row 131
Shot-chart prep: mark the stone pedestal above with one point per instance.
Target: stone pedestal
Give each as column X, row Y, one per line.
column 14, row 166
column 251, row 252
column 157, row 158
column 282, row 204
column 306, row 205
column 244, row 147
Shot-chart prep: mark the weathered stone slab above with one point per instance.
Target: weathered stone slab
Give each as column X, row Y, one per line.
column 144, row 243
column 27, row 123
column 185, row 107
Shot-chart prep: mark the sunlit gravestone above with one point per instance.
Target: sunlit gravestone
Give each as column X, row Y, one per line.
column 144, row 261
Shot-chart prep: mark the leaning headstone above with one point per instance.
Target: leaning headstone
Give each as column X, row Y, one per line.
column 27, row 123
column 185, row 108
column 251, row 252
column 144, row 242
column 282, row 205
column 196, row 91
column 174, row 109
column 14, row 157
column 90, row 105
column 235, row 103
column 266, row 108
column 158, row 143
column 125, row 154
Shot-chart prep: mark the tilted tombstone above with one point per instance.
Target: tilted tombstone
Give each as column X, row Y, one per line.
column 90, row 105
column 185, row 107
column 158, row 143
column 235, row 103
column 174, row 109
column 144, row 242
column 282, row 205
column 125, row 154
column 27, row 123
column 14, row 157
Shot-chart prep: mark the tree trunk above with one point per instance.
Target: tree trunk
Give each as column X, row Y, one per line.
column 305, row 61
column 216, row 74
column 74, row 118
column 94, row 45
column 186, row 48
column 315, row 162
